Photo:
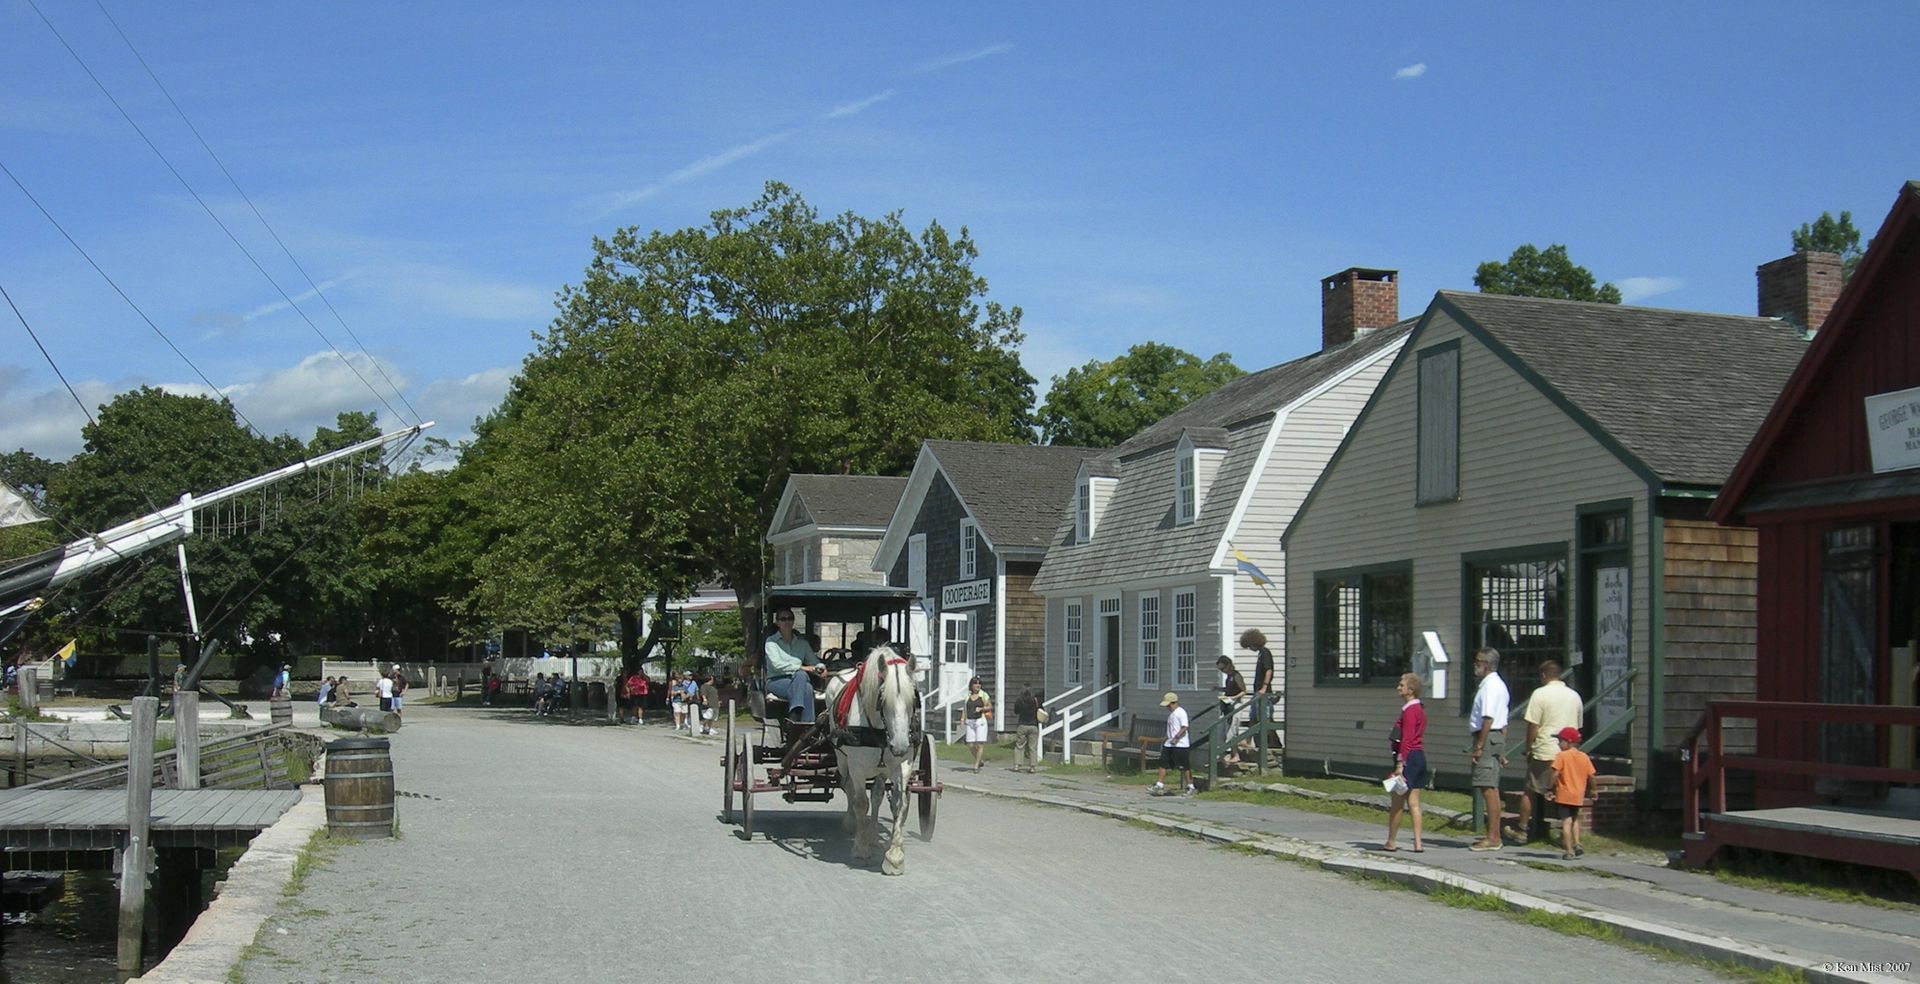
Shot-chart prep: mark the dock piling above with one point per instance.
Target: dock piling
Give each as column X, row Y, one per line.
column 134, row 860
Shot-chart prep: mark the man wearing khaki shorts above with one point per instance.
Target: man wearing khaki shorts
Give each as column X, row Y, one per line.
column 1553, row 708
column 1489, row 721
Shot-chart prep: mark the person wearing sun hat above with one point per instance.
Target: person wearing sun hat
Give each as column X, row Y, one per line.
column 1571, row 770
column 1174, row 753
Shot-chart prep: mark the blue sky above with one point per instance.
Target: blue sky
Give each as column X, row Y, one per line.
column 1129, row 172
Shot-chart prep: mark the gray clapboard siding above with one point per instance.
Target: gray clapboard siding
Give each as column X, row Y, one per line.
column 1524, row 469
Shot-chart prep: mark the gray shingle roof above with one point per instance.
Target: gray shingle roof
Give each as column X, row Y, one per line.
column 1682, row 391
column 849, row 500
column 1136, row 536
column 1015, row 491
column 1261, row 393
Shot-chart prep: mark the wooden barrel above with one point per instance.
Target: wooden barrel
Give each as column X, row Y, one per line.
column 283, row 712
column 359, row 788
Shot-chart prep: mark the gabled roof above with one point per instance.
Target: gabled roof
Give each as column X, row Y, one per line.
column 860, row 501
column 1137, row 536
column 1876, row 264
column 1674, row 391
column 1259, row 394
column 1014, row 492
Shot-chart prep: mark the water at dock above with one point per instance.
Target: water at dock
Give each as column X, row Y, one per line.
column 73, row 938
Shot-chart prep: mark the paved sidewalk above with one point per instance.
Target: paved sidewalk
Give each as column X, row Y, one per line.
column 1674, row 909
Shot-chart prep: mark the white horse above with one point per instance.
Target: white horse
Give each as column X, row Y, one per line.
column 873, row 743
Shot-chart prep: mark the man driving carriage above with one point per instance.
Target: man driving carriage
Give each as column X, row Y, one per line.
column 791, row 665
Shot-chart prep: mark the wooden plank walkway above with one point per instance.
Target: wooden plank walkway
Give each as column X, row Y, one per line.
column 96, row 819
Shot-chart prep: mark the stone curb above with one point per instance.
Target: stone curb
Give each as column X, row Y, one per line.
column 250, row 896
column 1426, row 879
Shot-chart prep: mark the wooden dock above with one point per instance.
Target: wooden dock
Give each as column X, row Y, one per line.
column 96, row 819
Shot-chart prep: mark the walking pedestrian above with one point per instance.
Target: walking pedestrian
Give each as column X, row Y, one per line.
column 979, row 720
column 1026, row 733
column 280, row 682
column 384, row 687
column 709, row 702
column 1174, row 751
column 1553, row 708
column 1233, row 687
column 1409, row 760
column 399, row 687
column 1256, row 640
column 1488, row 718
column 1571, row 770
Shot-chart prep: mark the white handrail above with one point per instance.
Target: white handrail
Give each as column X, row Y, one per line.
column 1092, row 724
column 1063, row 695
column 1060, row 715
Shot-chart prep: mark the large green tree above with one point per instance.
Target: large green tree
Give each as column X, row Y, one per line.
column 1827, row 234
column 1102, row 403
column 645, row 442
column 1535, row 272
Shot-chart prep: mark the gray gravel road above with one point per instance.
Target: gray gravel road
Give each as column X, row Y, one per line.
column 540, row 851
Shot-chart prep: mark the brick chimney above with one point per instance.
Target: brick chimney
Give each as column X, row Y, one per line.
column 1801, row 288
column 1356, row 301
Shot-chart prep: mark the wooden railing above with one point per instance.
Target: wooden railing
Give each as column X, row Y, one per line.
column 1708, row 771
column 253, row 759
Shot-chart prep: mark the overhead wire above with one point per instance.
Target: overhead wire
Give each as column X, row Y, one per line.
column 46, row 355
column 256, row 210
column 184, row 183
column 123, row 294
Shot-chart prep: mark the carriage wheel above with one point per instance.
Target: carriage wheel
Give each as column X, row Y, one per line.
column 726, row 771
column 746, row 792
column 927, row 804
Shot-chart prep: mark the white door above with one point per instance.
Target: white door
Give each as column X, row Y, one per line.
column 956, row 655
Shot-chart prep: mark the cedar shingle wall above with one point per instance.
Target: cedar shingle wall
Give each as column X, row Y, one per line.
column 1026, row 634
column 1712, row 625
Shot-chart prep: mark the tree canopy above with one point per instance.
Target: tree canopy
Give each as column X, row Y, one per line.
column 645, row 442
column 1103, row 403
column 1534, row 272
column 1827, row 234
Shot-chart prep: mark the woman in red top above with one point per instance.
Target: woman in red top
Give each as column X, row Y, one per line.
column 1409, row 759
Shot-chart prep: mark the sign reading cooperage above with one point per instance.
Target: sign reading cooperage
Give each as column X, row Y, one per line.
column 1893, row 430
column 966, row 594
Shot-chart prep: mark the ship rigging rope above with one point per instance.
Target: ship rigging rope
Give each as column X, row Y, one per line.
column 184, row 183
column 317, row 292
column 46, row 355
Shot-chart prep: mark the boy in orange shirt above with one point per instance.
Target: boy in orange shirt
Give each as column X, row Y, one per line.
column 1571, row 770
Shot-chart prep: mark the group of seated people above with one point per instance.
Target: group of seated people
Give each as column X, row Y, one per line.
column 794, row 666
column 549, row 692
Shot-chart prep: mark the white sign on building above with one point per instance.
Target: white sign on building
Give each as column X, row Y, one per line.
column 966, row 594
column 1893, row 430
column 1613, row 641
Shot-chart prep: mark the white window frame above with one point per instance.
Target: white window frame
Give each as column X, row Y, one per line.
column 1186, row 639
column 969, row 549
column 1083, row 512
column 1186, row 484
column 917, row 563
column 957, row 642
column 1072, row 638
column 1149, row 619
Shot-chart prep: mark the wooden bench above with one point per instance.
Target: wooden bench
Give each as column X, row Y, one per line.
column 1139, row 744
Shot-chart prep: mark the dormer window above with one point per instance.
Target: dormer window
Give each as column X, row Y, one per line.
column 1083, row 511
column 1185, row 485
column 969, row 548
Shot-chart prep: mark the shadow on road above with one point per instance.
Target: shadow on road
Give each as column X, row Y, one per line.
column 814, row 833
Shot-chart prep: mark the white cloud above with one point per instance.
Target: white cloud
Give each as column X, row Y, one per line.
column 457, row 403
column 311, row 393
column 1635, row 289
column 704, row 165
column 860, row 106
column 461, row 293
column 939, row 64
column 1412, row 71
column 281, row 305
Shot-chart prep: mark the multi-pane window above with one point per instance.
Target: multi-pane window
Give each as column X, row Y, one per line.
column 1363, row 626
column 956, row 638
column 1519, row 607
column 1150, row 640
column 1185, row 640
column 1071, row 643
column 1185, row 491
column 1439, row 425
column 969, row 554
column 1083, row 513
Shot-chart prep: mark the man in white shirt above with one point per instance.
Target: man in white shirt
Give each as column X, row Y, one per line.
column 1489, row 722
column 1174, row 752
column 385, row 688
column 1553, row 708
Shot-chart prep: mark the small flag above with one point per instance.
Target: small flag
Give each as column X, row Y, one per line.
column 1252, row 570
column 67, row 652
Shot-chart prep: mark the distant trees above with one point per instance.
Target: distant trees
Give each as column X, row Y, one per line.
column 1827, row 234
column 1534, row 272
column 1103, row 403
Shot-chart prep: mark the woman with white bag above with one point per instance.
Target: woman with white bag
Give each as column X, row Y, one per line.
column 1409, row 760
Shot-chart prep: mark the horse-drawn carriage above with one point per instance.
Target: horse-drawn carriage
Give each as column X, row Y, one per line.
column 867, row 731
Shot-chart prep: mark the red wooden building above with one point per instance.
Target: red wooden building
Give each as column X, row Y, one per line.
column 1832, row 483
